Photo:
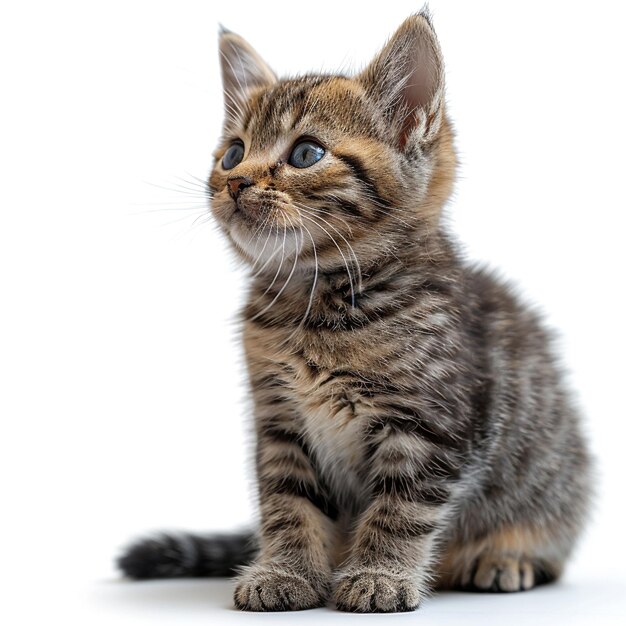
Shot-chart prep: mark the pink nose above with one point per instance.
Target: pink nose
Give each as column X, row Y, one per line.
column 237, row 183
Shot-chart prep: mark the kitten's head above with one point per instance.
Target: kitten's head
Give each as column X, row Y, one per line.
column 327, row 167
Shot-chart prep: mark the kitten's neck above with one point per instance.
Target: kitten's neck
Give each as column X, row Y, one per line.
column 344, row 296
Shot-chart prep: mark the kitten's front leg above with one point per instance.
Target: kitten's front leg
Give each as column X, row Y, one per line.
column 293, row 570
column 393, row 546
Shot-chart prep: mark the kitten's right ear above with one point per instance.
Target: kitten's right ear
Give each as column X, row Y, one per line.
column 243, row 70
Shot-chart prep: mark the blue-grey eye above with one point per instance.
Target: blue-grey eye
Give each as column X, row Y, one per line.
column 305, row 154
column 233, row 156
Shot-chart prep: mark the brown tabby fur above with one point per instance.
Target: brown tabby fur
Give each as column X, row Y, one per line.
column 412, row 429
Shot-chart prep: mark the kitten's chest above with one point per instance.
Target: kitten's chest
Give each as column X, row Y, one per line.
column 334, row 428
column 324, row 389
column 334, row 416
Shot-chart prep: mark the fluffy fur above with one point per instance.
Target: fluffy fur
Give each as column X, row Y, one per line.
column 412, row 427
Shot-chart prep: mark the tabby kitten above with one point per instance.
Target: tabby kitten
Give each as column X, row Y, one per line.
column 412, row 427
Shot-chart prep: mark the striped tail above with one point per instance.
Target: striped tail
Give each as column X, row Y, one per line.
column 183, row 555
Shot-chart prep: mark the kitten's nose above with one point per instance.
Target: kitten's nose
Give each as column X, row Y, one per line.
column 237, row 184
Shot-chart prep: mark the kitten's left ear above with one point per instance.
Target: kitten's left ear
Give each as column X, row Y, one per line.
column 243, row 70
column 406, row 79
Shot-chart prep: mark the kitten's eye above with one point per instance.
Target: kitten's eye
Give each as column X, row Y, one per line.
column 305, row 154
column 233, row 156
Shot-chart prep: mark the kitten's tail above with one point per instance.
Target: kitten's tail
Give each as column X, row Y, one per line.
column 184, row 555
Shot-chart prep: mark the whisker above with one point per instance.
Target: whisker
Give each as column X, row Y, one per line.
column 183, row 218
column 269, row 234
column 310, row 304
column 282, row 258
column 293, row 269
column 331, row 213
column 202, row 181
column 311, row 211
column 189, row 192
column 345, row 261
column 202, row 192
column 268, row 260
column 381, row 208
column 188, row 204
column 199, row 218
column 261, row 226
column 195, row 185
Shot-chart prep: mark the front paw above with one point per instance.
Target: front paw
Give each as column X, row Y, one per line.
column 376, row 592
column 273, row 588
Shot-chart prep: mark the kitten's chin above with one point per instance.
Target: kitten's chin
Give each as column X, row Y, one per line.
column 264, row 249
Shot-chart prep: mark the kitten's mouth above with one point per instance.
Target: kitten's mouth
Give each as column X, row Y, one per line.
column 262, row 230
column 260, row 210
column 251, row 206
column 245, row 208
column 249, row 215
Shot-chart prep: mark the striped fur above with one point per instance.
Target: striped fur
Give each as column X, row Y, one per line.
column 412, row 427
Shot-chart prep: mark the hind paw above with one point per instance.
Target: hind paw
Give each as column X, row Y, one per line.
column 499, row 573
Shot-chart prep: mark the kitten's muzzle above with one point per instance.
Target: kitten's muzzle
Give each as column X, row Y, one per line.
column 237, row 184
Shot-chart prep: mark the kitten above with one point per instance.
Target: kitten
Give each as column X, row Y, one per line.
column 412, row 427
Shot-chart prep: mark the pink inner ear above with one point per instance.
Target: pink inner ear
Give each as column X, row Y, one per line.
column 420, row 91
column 422, row 83
column 406, row 77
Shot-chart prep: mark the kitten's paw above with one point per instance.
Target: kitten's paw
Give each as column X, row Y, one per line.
column 376, row 592
column 499, row 573
column 270, row 588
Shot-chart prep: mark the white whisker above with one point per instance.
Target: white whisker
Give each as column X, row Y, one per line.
column 293, row 269
column 256, row 243
column 282, row 259
column 345, row 261
column 311, row 211
column 310, row 304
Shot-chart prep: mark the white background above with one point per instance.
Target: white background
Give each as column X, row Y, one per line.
column 121, row 389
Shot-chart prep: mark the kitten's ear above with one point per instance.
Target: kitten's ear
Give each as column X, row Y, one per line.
column 406, row 79
column 243, row 70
